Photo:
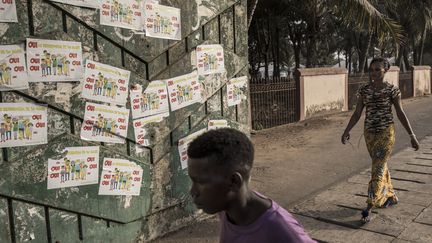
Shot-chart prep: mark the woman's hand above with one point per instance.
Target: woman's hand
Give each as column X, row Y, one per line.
column 414, row 143
column 345, row 137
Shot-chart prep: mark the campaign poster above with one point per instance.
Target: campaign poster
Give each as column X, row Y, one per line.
column 162, row 21
column 236, row 90
column 79, row 167
column 53, row 60
column 120, row 177
column 104, row 123
column 152, row 101
column 13, row 70
column 121, row 13
column 22, row 124
column 184, row 90
column 80, row 3
column 210, row 59
column 216, row 124
column 105, row 83
column 141, row 129
column 8, row 11
column 183, row 145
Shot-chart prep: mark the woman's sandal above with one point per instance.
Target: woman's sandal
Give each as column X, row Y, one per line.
column 365, row 216
column 389, row 202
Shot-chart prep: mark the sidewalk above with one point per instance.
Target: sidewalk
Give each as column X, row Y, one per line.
column 333, row 215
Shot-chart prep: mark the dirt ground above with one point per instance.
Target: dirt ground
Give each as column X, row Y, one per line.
column 296, row 161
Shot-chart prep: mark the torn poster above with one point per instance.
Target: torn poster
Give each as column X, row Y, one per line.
column 52, row 60
column 121, row 13
column 22, row 124
column 79, row 167
column 8, row 11
column 184, row 90
column 162, row 21
column 80, row 3
column 183, row 145
column 105, row 83
column 13, row 70
column 153, row 101
column 216, row 124
column 143, row 130
column 120, row 177
column 210, row 59
column 236, row 90
column 104, row 123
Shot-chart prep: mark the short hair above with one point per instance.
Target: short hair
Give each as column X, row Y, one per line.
column 227, row 147
column 382, row 60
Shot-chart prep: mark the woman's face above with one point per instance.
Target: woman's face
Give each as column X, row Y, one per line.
column 377, row 71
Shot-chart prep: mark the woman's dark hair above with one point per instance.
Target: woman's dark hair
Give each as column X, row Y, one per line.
column 382, row 60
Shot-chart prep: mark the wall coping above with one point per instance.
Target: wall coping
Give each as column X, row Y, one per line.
column 394, row 69
column 321, row 71
column 421, row 67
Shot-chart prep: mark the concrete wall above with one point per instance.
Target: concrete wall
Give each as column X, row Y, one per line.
column 78, row 213
column 392, row 76
column 421, row 80
column 322, row 90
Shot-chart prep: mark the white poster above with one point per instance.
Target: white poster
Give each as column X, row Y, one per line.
column 141, row 127
column 13, row 71
column 105, row 83
column 153, row 101
column 162, row 21
column 210, row 59
column 79, row 167
column 215, row 124
column 236, row 90
column 104, row 123
column 184, row 90
column 183, row 145
column 8, row 11
column 81, row 3
column 120, row 177
column 121, row 13
column 52, row 60
column 22, row 124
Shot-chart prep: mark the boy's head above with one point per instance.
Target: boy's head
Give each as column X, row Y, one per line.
column 219, row 166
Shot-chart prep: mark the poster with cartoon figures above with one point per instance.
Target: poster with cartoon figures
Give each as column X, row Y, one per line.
column 153, row 101
column 236, row 90
column 216, row 124
column 142, row 128
column 105, row 83
column 120, row 177
column 210, row 59
column 22, row 124
column 79, row 167
column 104, row 123
column 162, row 21
column 52, row 60
column 184, row 90
column 81, row 3
column 121, row 13
column 8, row 11
column 13, row 71
column 183, row 145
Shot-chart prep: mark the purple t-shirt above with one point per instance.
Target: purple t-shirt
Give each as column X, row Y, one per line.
column 275, row 225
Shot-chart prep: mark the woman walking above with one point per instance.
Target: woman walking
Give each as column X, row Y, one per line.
column 378, row 97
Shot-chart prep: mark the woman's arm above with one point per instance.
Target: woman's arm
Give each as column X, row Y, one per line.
column 405, row 122
column 354, row 119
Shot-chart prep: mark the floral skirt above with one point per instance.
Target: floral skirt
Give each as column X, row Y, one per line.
column 380, row 146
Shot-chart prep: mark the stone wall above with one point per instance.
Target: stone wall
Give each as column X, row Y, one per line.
column 30, row 212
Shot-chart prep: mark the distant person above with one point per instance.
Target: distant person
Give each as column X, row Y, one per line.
column 219, row 165
column 378, row 97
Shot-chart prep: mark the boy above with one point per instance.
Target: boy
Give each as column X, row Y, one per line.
column 219, row 165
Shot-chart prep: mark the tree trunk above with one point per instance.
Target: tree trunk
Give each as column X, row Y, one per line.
column 252, row 4
column 363, row 53
column 422, row 45
column 405, row 58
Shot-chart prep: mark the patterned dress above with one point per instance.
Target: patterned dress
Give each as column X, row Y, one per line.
column 380, row 137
